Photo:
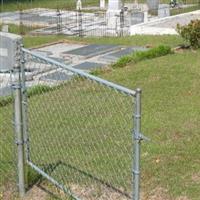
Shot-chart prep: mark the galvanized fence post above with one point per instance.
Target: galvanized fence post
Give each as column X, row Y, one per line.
column 25, row 116
column 18, row 126
column 24, row 107
column 137, row 142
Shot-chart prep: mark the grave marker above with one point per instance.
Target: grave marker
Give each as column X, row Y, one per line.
column 10, row 45
column 163, row 10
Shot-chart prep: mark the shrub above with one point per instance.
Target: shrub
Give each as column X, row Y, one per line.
column 143, row 55
column 123, row 61
column 191, row 33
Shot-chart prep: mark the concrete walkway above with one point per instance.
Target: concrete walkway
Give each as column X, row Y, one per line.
column 165, row 25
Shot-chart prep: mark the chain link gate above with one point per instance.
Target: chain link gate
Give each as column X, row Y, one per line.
column 80, row 132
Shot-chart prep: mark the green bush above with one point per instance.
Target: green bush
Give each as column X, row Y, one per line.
column 123, row 61
column 142, row 55
column 191, row 33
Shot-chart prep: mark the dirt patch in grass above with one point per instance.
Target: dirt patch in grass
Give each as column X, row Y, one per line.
column 98, row 192
column 8, row 192
column 158, row 193
column 182, row 198
column 36, row 193
column 196, row 178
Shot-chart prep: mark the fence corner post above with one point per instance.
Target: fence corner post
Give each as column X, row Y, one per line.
column 137, row 142
column 18, row 126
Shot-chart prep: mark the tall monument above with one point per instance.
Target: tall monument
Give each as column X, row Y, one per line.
column 113, row 12
column 102, row 4
column 153, row 6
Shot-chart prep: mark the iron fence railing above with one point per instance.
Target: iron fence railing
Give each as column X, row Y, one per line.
column 88, row 22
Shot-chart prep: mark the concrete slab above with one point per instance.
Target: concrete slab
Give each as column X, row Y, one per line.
column 114, row 56
column 43, row 53
column 88, row 65
column 5, row 91
column 56, row 76
column 166, row 25
column 92, row 50
column 60, row 60
column 57, row 50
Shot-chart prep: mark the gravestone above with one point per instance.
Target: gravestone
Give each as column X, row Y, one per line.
column 102, row 4
column 146, row 16
column 163, row 10
column 78, row 5
column 10, row 45
column 113, row 13
column 137, row 17
column 153, row 6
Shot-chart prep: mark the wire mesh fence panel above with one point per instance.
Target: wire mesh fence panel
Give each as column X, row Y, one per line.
column 7, row 139
column 80, row 132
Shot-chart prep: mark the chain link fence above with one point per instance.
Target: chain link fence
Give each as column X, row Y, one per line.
column 8, row 174
column 80, row 131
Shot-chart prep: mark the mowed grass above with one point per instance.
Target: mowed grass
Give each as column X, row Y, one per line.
column 170, row 107
column 171, row 117
column 78, row 135
column 137, row 40
column 82, row 125
column 12, row 5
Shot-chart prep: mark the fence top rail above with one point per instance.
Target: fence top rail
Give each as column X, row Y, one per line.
column 101, row 81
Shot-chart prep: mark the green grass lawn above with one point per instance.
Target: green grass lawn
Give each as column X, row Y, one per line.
column 87, row 126
column 26, row 4
column 138, row 40
column 84, row 126
column 171, row 119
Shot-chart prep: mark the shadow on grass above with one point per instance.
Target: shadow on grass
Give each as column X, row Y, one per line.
column 68, row 171
column 34, row 178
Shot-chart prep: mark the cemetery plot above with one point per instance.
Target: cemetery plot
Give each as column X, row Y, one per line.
column 78, row 56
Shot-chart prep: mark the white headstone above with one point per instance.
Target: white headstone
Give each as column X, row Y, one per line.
column 146, row 16
column 135, row 5
column 153, row 5
column 102, row 4
column 163, row 10
column 137, row 18
column 9, row 51
column 78, row 5
column 113, row 13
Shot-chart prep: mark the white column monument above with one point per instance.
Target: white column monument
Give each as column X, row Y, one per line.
column 136, row 5
column 102, row 4
column 113, row 12
column 78, row 5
